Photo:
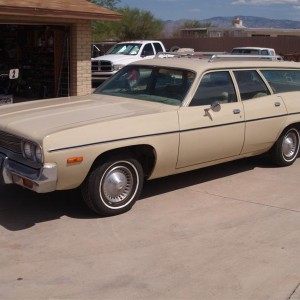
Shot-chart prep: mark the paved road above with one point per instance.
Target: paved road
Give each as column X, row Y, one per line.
column 225, row 232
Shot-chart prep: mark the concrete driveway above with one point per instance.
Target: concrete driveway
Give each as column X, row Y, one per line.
column 226, row 232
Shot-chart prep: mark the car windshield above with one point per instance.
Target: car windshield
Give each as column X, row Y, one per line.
column 125, row 48
column 156, row 84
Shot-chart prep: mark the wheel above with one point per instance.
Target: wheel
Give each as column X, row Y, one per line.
column 286, row 149
column 114, row 186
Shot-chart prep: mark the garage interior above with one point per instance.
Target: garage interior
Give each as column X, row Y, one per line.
column 49, row 43
column 41, row 53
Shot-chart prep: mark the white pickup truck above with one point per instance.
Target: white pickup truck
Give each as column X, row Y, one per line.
column 122, row 54
column 253, row 51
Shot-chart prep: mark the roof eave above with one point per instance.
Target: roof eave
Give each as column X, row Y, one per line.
column 59, row 13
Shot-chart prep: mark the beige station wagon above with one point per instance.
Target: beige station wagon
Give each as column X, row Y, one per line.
column 152, row 119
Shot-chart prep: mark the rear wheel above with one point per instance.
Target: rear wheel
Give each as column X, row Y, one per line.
column 114, row 186
column 286, row 149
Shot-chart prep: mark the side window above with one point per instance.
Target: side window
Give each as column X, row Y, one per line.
column 264, row 52
column 282, row 81
column 214, row 86
column 148, row 50
column 250, row 85
column 172, row 84
column 158, row 47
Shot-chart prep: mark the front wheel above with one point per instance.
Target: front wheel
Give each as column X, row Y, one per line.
column 286, row 149
column 114, row 186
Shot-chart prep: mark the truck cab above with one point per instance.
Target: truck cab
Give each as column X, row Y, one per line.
column 121, row 54
column 253, row 51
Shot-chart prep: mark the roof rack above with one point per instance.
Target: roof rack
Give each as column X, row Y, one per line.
column 247, row 57
column 187, row 54
column 217, row 56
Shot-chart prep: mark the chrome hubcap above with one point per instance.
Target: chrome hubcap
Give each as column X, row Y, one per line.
column 117, row 184
column 289, row 146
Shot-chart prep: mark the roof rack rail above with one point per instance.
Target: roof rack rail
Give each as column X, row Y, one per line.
column 187, row 54
column 247, row 57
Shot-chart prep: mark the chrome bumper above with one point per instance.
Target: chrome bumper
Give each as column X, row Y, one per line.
column 41, row 181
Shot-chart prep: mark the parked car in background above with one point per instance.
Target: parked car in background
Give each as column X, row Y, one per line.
column 253, row 51
column 153, row 118
column 120, row 55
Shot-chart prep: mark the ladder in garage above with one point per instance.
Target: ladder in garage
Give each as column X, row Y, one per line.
column 63, row 89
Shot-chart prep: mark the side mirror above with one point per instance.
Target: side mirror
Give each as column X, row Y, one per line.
column 13, row 74
column 215, row 106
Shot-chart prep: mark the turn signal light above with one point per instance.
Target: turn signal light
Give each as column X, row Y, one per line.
column 73, row 160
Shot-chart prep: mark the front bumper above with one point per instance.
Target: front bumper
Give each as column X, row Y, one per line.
column 43, row 180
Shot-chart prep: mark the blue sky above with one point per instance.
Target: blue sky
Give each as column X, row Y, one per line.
column 204, row 9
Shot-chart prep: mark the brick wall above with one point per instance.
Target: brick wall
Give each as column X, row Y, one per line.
column 80, row 61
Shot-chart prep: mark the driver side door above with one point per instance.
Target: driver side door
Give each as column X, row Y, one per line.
column 206, row 133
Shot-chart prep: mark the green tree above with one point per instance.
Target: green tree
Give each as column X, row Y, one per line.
column 105, row 30
column 135, row 24
column 138, row 24
column 111, row 4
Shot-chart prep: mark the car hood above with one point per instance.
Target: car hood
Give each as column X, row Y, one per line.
column 37, row 119
column 118, row 58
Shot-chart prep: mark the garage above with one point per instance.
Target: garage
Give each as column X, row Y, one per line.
column 35, row 50
column 49, row 46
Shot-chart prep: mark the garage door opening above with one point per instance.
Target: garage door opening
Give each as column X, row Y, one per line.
column 41, row 53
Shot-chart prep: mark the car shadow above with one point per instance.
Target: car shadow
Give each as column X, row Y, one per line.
column 21, row 209
column 183, row 180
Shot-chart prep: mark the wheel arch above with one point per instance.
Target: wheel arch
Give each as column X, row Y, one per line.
column 290, row 125
column 144, row 153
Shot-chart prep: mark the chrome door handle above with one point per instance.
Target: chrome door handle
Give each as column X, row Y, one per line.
column 236, row 111
column 277, row 104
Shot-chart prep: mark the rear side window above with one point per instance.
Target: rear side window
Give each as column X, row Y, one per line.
column 282, row 81
column 214, row 86
column 158, row 47
column 250, row 85
column 148, row 50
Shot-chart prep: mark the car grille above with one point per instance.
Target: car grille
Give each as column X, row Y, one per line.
column 10, row 142
column 101, row 66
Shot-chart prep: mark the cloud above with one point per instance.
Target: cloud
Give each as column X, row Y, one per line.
column 264, row 2
column 296, row 7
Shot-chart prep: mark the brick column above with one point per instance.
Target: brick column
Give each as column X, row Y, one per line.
column 80, row 58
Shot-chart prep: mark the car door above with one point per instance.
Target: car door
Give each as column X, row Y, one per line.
column 210, row 132
column 265, row 113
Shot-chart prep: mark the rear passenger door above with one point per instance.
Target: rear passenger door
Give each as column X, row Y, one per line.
column 207, row 134
column 265, row 113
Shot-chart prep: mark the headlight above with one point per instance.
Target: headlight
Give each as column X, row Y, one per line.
column 118, row 67
column 38, row 154
column 32, row 151
column 28, row 150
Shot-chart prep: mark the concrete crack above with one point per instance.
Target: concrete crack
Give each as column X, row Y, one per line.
column 252, row 202
column 294, row 291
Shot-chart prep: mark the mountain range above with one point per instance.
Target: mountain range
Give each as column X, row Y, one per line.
column 223, row 22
